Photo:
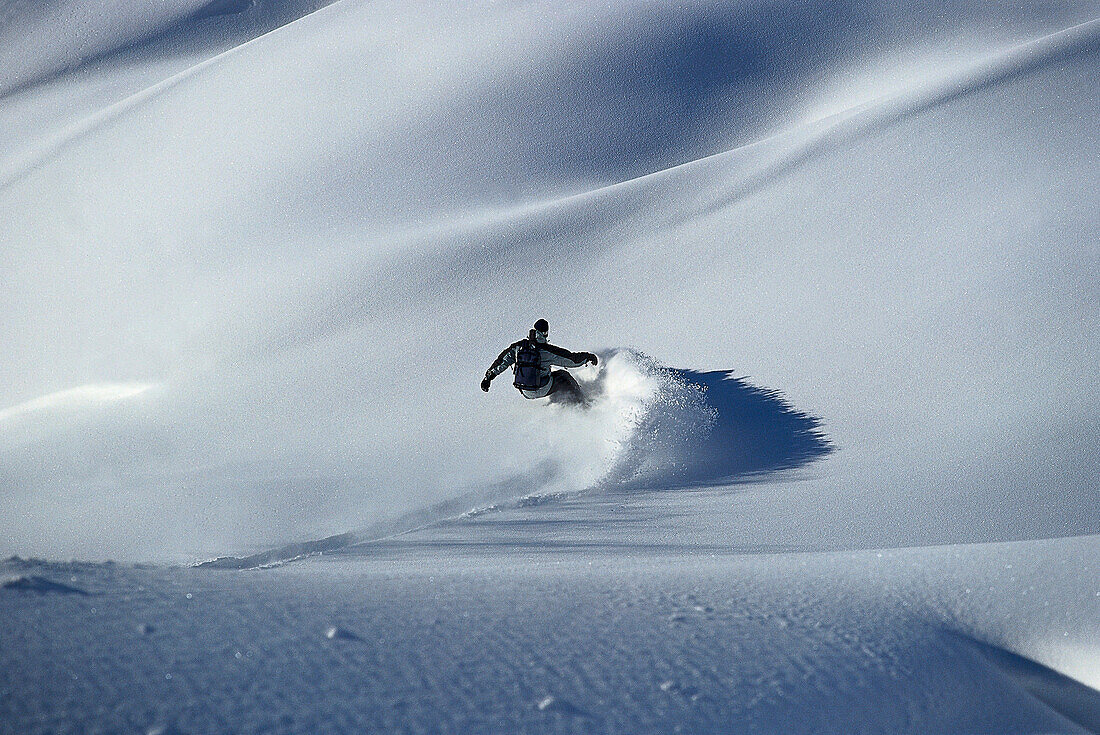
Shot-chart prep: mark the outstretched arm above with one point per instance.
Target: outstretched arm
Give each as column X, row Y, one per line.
column 502, row 363
column 561, row 357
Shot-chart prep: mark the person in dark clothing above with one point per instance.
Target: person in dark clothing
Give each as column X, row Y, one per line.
column 532, row 360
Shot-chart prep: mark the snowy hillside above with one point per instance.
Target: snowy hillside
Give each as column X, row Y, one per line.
column 291, row 261
column 839, row 261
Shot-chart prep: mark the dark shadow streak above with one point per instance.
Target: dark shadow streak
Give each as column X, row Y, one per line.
column 889, row 113
column 1068, row 697
column 215, row 27
column 756, row 434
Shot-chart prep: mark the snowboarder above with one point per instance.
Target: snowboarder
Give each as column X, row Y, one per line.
column 532, row 359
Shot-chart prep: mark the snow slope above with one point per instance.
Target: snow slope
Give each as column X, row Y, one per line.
column 399, row 640
column 840, row 263
column 308, row 247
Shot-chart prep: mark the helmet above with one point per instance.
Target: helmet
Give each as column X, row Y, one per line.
column 542, row 326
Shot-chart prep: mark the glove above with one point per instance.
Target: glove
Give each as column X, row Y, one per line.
column 591, row 358
column 485, row 385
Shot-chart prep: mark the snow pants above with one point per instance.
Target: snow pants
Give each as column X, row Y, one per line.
column 565, row 388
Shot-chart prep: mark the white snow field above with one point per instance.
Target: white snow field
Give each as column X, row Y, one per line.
column 840, row 262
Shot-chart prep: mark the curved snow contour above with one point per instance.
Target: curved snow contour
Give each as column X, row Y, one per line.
column 653, row 427
column 842, row 128
column 81, row 397
column 662, row 427
column 649, row 427
column 84, row 34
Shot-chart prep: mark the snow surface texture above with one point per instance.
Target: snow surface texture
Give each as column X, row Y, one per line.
column 911, row 641
column 840, row 263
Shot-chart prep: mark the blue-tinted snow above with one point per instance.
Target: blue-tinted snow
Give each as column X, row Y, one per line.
column 839, row 260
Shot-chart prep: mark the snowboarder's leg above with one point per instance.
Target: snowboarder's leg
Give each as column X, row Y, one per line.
column 566, row 389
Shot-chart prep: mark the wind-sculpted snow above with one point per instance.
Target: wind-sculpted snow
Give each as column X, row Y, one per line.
column 967, row 639
column 84, row 34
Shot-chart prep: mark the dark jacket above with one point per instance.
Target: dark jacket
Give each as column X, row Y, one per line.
column 549, row 356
